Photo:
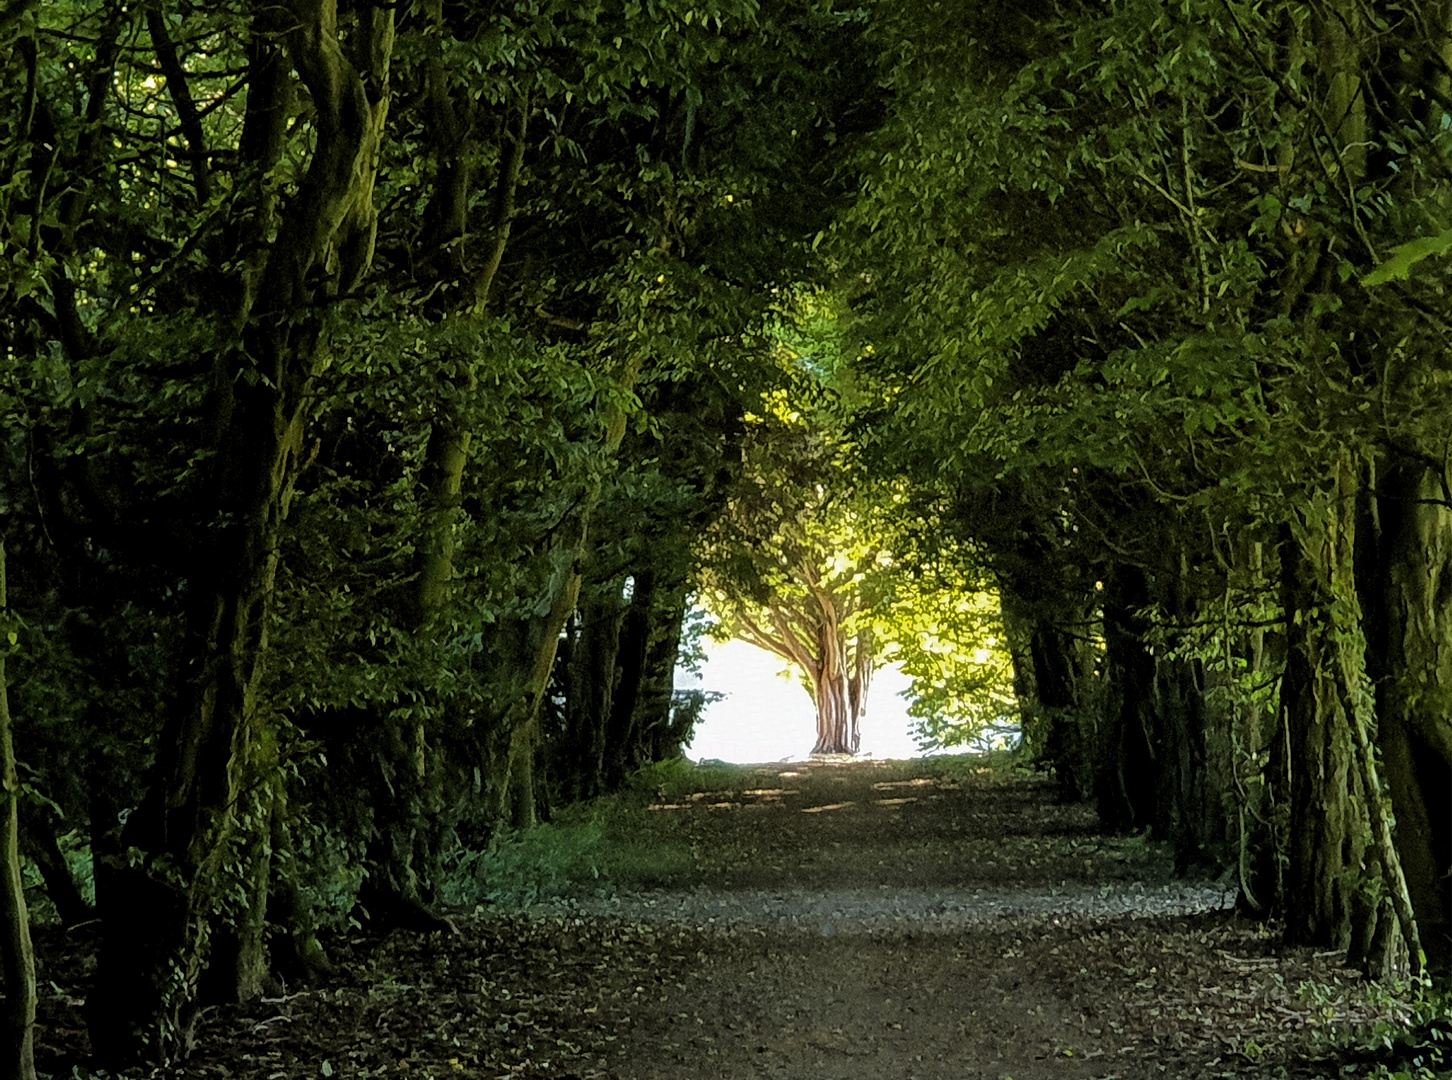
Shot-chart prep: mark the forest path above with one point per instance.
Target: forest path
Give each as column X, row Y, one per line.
column 888, row 919
column 918, row 920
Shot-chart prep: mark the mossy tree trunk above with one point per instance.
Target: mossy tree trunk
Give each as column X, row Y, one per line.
column 1327, row 825
column 203, row 823
column 1414, row 691
column 1345, row 885
column 1189, row 807
column 516, row 794
column 17, row 955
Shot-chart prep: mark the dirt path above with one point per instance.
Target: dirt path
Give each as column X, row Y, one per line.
column 869, row 921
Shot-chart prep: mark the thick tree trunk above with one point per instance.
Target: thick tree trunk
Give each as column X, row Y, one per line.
column 203, row 798
column 1057, row 680
column 17, row 955
column 1050, row 681
column 658, row 731
column 1333, row 797
column 590, row 661
column 838, row 731
column 1414, row 698
column 210, row 795
column 1325, row 827
column 620, row 661
column 517, row 800
column 839, row 682
column 1153, row 766
column 1189, row 812
column 1124, row 784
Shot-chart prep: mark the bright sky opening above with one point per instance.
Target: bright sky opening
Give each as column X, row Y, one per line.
column 768, row 716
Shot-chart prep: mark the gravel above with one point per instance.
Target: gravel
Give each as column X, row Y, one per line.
column 886, row 910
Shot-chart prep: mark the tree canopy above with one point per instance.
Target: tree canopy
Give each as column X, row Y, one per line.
column 380, row 383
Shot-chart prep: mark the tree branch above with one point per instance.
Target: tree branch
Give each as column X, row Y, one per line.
column 181, row 96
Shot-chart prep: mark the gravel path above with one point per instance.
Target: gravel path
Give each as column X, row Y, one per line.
column 889, row 910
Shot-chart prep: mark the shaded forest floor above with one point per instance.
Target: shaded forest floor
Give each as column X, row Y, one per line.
column 923, row 919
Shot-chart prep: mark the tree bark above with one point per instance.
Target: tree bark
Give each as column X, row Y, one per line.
column 1328, row 823
column 590, row 659
column 1254, row 747
column 517, row 799
column 624, row 748
column 1189, row 807
column 208, row 795
column 658, row 733
column 838, row 665
column 1124, row 785
column 38, row 841
column 837, row 687
column 1414, row 692
column 1056, row 680
column 1018, row 635
column 17, row 954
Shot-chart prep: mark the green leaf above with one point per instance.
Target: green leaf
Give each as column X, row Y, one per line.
column 1399, row 266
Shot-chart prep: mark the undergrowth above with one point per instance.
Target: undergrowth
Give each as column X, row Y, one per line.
column 678, row 778
column 598, row 847
column 617, row 843
column 1415, row 1040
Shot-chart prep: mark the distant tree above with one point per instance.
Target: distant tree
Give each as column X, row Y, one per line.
column 837, row 573
column 792, row 565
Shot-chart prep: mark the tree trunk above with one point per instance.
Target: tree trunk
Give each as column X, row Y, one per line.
column 518, row 799
column 1328, row 823
column 1255, row 748
column 623, row 750
column 590, row 662
column 17, row 955
column 1056, row 679
column 1018, row 635
column 298, row 955
column 837, row 689
column 659, row 732
column 1414, row 692
column 38, row 841
column 1124, row 784
column 208, row 796
column 1188, row 810
column 1189, row 806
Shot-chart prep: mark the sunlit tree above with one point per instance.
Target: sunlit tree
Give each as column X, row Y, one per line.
column 822, row 565
column 793, row 565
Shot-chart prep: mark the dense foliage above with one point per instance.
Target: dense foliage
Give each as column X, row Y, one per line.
column 1155, row 309
column 379, row 381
